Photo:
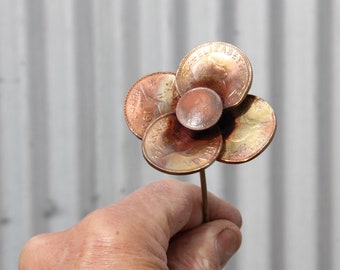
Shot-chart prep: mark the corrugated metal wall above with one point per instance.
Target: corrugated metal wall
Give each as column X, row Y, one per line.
column 66, row 65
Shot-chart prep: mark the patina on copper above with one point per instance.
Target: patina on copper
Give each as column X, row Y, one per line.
column 200, row 114
column 172, row 148
column 247, row 130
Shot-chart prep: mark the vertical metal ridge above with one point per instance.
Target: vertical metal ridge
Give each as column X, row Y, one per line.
column 226, row 27
column 180, row 21
column 300, row 183
column 326, row 121
column 85, row 83
column 41, row 209
column 131, row 68
column 278, row 159
column 335, row 149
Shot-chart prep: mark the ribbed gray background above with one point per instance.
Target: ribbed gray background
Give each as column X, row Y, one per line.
column 66, row 65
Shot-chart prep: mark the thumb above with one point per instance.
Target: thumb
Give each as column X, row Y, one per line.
column 208, row 246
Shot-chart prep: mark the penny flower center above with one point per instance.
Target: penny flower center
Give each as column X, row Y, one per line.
column 199, row 108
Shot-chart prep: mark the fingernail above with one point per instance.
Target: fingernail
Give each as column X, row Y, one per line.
column 227, row 244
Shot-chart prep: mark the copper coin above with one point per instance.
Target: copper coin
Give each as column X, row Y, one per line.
column 172, row 148
column 247, row 130
column 150, row 97
column 219, row 66
column 199, row 109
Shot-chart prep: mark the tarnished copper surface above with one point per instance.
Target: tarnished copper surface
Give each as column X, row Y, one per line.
column 150, row 97
column 171, row 148
column 247, row 130
column 215, row 118
column 199, row 109
column 219, row 66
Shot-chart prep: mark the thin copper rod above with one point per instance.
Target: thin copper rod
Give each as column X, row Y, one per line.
column 205, row 208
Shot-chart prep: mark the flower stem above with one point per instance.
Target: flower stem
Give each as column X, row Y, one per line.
column 205, row 208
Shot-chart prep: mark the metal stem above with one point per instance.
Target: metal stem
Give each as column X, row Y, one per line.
column 205, row 208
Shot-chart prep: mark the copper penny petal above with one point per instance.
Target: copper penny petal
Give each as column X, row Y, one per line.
column 172, row 148
column 247, row 130
column 199, row 109
column 150, row 97
column 219, row 66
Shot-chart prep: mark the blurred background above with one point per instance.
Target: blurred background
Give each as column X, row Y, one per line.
column 66, row 66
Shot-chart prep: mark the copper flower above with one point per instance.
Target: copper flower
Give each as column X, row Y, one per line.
column 201, row 113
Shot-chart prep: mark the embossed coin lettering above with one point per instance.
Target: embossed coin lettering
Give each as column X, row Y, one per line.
column 172, row 148
column 247, row 130
column 150, row 97
column 199, row 108
column 219, row 66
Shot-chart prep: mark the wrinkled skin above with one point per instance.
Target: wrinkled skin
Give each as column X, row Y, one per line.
column 158, row 226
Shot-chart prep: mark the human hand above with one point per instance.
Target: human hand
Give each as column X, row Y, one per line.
column 158, row 226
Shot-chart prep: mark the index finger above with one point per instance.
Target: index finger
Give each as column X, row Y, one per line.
column 176, row 206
